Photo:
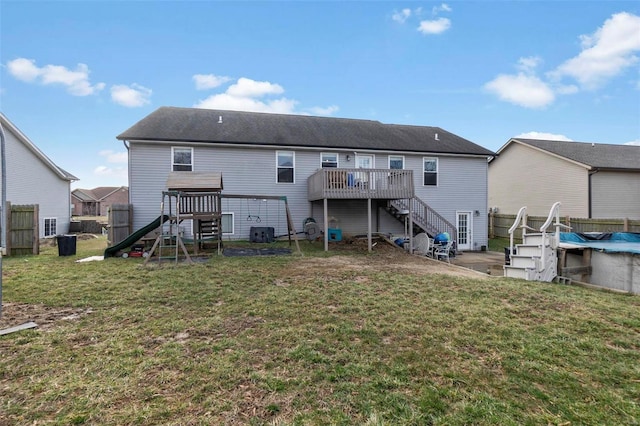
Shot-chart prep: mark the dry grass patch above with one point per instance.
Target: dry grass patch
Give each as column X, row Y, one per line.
column 345, row 337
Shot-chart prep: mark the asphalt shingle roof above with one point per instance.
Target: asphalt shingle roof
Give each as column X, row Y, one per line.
column 252, row 128
column 597, row 155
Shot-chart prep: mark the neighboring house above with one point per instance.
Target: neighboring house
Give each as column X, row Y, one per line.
column 96, row 201
column 591, row 180
column 32, row 178
column 317, row 163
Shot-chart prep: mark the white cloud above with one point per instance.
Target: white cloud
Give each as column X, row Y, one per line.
column 529, row 64
column 76, row 81
column 636, row 142
column 209, row 81
column 130, row 96
column 330, row 110
column 543, row 136
column 245, row 87
column 251, row 95
column 239, row 103
column 606, row 53
column 437, row 26
column 114, row 157
column 524, row 90
column 442, row 8
column 119, row 173
column 401, row 16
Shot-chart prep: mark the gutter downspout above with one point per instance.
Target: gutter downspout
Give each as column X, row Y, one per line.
column 590, row 190
column 124, row 142
column 3, row 237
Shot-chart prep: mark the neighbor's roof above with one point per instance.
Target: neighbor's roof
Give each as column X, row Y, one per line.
column 251, row 128
column 62, row 173
column 96, row 194
column 595, row 155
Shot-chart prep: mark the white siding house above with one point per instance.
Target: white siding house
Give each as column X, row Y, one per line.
column 283, row 155
column 32, row 178
column 590, row 180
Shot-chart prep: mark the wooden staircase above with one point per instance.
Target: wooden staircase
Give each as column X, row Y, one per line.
column 536, row 258
column 424, row 217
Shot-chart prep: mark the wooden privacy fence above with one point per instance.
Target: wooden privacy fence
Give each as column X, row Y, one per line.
column 499, row 225
column 120, row 217
column 22, row 229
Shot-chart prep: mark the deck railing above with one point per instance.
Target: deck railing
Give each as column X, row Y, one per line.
column 360, row 184
column 425, row 217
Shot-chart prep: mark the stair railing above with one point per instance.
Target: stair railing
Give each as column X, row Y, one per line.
column 426, row 217
column 520, row 222
column 554, row 213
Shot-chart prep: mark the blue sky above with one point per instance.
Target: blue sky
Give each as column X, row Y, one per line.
column 74, row 75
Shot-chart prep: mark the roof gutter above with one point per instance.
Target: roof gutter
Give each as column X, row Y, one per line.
column 313, row 148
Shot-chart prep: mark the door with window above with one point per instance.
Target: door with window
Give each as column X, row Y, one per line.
column 364, row 161
column 465, row 230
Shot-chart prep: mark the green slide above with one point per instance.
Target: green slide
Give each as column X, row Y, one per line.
column 131, row 239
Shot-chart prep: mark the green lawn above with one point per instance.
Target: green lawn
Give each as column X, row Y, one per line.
column 326, row 339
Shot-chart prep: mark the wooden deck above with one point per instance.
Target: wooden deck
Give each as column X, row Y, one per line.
column 382, row 184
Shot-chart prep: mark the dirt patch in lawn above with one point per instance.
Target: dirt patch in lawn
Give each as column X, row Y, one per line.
column 14, row 314
column 385, row 257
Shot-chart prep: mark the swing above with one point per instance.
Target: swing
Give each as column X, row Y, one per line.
column 251, row 218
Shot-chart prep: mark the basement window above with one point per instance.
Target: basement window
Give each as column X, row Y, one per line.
column 50, row 226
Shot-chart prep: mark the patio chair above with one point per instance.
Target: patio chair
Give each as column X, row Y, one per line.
column 443, row 250
column 423, row 245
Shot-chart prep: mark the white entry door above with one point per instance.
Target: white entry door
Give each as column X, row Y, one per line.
column 364, row 161
column 465, row 230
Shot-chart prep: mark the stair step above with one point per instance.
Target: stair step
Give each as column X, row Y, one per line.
column 524, row 261
column 516, row 272
column 533, row 239
column 528, row 250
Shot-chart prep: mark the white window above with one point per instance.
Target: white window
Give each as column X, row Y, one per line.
column 430, row 169
column 285, row 165
column 227, row 224
column 50, row 226
column 181, row 159
column 396, row 162
column 329, row 159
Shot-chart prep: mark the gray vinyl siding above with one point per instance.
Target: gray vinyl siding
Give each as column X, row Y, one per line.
column 31, row 181
column 351, row 216
column 462, row 186
column 252, row 171
column 524, row 176
column 615, row 195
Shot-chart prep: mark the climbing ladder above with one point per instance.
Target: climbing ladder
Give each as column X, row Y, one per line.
column 169, row 244
column 536, row 258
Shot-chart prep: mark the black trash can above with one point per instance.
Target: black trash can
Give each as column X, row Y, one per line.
column 507, row 257
column 66, row 245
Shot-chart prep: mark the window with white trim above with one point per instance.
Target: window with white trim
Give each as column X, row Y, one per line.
column 329, row 160
column 50, row 226
column 285, row 165
column 228, row 223
column 430, row 171
column 181, row 159
column 396, row 162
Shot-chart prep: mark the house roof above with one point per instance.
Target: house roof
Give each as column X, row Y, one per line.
column 594, row 155
column 253, row 128
column 95, row 194
column 63, row 174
